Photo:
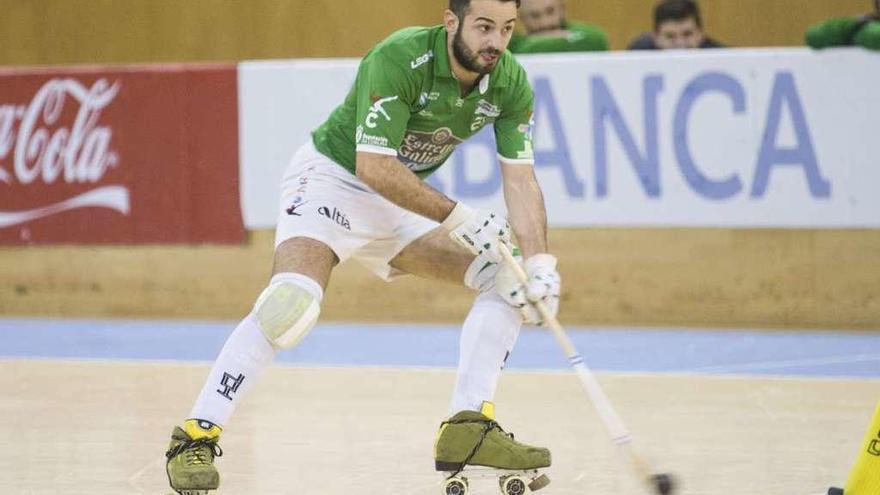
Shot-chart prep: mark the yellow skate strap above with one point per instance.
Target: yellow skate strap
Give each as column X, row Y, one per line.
column 864, row 479
column 198, row 429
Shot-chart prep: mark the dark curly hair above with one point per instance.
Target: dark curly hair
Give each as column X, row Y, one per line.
column 460, row 7
column 676, row 10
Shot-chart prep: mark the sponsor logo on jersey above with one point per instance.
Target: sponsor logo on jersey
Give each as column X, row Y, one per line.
column 528, row 129
column 422, row 59
column 336, row 216
column 424, row 150
column 484, row 113
column 527, row 153
column 487, row 109
column 362, row 137
column 377, row 110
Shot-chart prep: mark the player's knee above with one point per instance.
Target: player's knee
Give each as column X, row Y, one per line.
column 288, row 308
column 480, row 275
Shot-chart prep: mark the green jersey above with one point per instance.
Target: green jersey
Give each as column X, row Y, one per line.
column 406, row 103
column 582, row 38
column 846, row 31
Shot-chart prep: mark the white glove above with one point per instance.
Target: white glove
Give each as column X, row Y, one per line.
column 479, row 231
column 543, row 285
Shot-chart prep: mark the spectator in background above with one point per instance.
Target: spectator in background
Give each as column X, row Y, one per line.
column 677, row 25
column 861, row 31
column 547, row 30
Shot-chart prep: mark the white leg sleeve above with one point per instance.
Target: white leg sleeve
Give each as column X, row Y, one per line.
column 487, row 337
column 248, row 351
column 244, row 358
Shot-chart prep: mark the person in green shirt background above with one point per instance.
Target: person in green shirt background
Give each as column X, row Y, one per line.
column 547, row 30
column 861, row 31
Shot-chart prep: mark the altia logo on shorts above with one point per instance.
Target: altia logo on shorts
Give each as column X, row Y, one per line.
column 377, row 109
column 42, row 150
column 335, row 215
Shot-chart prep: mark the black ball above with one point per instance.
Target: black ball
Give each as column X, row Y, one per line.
column 664, row 483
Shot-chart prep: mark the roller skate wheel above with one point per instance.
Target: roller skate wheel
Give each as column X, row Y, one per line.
column 455, row 486
column 539, row 482
column 513, row 485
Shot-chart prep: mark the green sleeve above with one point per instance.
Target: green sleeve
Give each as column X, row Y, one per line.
column 833, row 32
column 583, row 38
column 516, row 42
column 869, row 36
column 385, row 93
column 594, row 38
column 513, row 129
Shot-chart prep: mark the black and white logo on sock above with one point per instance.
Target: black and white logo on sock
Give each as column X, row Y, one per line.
column 230, row 384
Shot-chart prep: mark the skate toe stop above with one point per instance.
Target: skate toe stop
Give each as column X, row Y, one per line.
column 539, row 482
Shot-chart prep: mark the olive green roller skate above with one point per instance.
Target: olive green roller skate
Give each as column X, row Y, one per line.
column 472, row 445
column 190, row 458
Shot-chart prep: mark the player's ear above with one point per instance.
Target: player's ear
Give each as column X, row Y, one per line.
column 450, row 21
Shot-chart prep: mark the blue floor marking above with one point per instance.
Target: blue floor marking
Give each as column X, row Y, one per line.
column 717, row 352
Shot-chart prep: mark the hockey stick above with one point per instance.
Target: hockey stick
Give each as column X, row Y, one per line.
column 662, row 484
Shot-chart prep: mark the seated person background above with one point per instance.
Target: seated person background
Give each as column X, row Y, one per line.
column 677, row 25
column 547, row 30
column 861, row 31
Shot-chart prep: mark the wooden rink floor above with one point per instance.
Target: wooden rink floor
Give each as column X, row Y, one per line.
column 101, row 427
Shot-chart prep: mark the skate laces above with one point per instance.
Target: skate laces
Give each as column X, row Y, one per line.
column 196, row 452
column 490, row 425
column 487, row 427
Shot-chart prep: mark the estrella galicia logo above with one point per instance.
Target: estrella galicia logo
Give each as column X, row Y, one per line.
column 230, row 384
column 335, row 215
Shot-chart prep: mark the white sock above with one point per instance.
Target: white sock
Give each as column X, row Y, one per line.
column 244, row 358
column 487, row 337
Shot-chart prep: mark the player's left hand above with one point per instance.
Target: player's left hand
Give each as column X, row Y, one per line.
column 543, row 285
column 480, row 232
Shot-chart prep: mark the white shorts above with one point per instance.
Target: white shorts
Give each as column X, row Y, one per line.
column 325, row 202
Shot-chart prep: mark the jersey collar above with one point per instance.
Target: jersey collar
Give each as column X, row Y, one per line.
column 443, row 69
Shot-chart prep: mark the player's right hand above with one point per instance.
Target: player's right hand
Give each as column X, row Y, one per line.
column 481, row 232
column 543, row 285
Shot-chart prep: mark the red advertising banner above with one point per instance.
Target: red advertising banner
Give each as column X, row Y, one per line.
column 144, row 154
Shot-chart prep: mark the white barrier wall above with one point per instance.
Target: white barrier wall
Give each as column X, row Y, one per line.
column 716, row 138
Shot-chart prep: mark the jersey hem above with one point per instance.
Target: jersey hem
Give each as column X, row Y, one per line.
column 376, row 149
column 518, row 161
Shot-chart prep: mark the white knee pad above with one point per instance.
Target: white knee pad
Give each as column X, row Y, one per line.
column 288, row 308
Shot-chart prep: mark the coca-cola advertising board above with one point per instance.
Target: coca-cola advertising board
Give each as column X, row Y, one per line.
column 145, row 154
